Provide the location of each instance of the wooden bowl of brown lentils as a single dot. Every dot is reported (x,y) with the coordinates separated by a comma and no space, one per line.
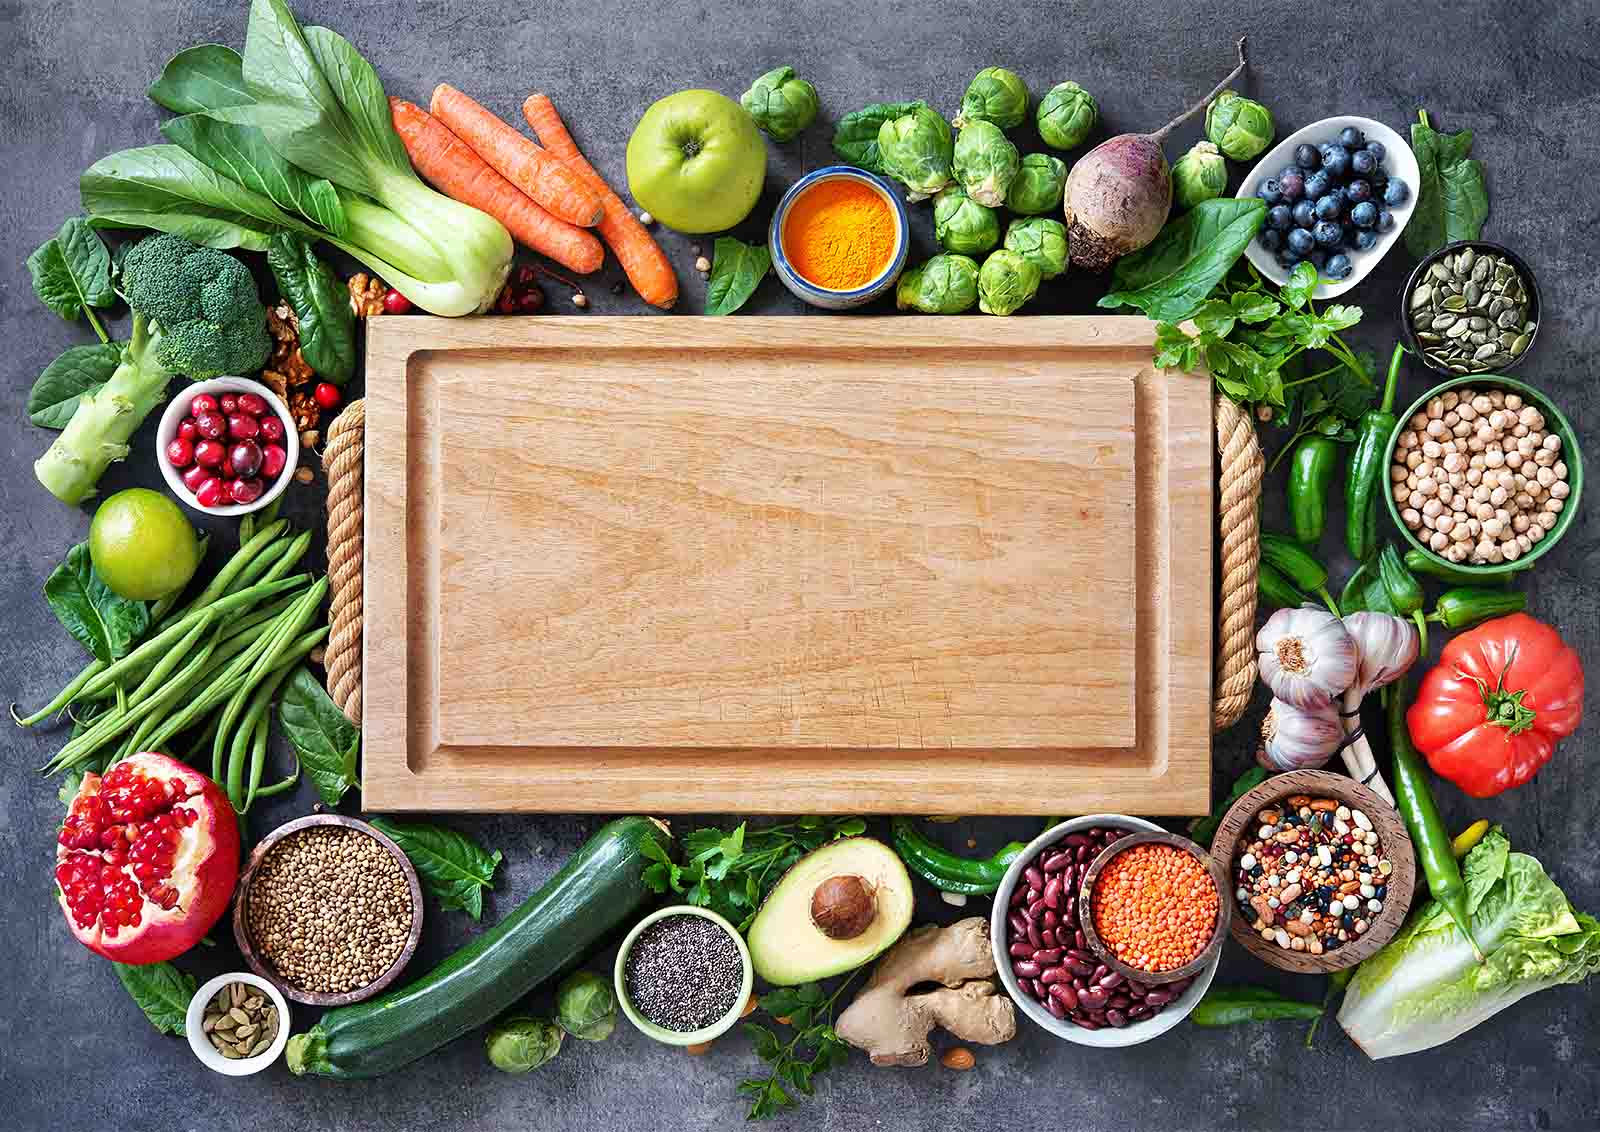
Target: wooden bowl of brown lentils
(328,909)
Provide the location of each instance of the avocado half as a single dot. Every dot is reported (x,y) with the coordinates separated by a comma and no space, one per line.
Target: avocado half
(836,908)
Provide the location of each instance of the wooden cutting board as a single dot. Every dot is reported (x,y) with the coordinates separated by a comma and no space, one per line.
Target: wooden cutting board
(785,564)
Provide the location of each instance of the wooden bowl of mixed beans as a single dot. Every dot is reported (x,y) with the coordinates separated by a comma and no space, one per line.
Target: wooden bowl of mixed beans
(1320,871)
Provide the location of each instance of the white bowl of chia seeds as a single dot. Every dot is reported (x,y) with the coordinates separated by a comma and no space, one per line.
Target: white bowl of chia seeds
(683,975)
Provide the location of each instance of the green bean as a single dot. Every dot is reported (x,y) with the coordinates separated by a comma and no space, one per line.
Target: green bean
(218,687)
(281,785)
(220,585)
(175,655)
(255,717)
(291,556)
(63,698)
(283,631)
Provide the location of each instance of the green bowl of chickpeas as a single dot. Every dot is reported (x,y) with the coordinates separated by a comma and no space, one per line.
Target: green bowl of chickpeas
(1484,474)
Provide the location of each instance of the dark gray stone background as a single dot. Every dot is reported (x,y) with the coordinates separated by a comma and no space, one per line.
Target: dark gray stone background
(76,1051)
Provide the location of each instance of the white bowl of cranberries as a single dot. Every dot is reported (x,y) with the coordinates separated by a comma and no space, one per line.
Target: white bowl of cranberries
(227,446)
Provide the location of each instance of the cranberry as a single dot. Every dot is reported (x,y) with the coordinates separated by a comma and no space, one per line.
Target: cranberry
(326,395)
(212,493)
(202,403)
(244,458)
(272,428)
(252,403)
(210,453)
(273,458)
(194,476)
(242,426)
(187,431)
(180,453)
(211,424)
(229,403)
(394,303)
(246,490)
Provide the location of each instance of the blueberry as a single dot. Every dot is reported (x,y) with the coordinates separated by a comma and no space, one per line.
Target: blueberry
(1293,187)
(1305,213)
(1307,156)
(1270,191)
(1318,257)
(1327,234)
(1336,160)
(1329,207)
(1288,259)
(1348,239)
(1378,180)
(1280,217)
(1396,193)
(1338,267)
(1271,239)
(1385,220)
(1362,162)
(1352,138)
(1300,241)
(1318,184)
(1377,150)
(1290,171)
(1366,240)
(1357,191)
(1364,215)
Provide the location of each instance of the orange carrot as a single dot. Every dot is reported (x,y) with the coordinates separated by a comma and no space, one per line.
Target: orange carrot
(641,257)
(452,167)
(550,182)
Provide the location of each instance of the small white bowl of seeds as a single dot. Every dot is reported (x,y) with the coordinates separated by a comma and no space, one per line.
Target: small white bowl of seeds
(237,1024)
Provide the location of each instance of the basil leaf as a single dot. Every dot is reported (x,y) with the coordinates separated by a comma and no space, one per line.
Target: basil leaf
(327,324)
(1452,201)
(452,866)
(75,372)
(242,154)
(165,188)
(72,270)
(324,741)
(1171,278)
(201,79)
(161,991)
(856,138)
(105,624)
(737,271)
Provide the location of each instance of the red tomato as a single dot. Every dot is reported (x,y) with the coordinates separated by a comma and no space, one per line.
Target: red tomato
(1491,712)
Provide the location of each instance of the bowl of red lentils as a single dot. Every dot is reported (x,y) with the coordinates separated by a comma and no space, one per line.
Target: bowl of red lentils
(1041,928)
(1157,912)
(1320,871)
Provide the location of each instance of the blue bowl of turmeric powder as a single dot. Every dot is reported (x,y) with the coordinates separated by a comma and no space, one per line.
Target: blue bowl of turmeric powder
(840,237)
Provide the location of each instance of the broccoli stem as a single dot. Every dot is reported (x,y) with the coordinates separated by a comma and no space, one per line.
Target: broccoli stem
(104,421)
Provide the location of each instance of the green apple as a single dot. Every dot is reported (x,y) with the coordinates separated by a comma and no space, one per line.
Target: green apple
(696,161)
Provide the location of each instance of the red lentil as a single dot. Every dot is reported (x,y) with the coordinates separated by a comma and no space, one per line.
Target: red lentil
(1155,907)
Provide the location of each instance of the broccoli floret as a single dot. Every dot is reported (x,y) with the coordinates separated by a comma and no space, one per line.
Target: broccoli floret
(204,302)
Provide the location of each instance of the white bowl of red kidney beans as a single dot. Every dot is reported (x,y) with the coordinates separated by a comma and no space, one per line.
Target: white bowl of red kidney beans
(227,446)
(1044,959)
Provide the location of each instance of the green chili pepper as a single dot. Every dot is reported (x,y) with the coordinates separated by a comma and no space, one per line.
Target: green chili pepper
(1311,468)
(1419,563)
(1298,565)
(1366,468)
(1230,1006)
(945,870)
(1405,592)
(1465,607)
(1415,804)
(1277,590)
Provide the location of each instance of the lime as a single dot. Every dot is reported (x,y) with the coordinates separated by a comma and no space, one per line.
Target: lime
(142,546)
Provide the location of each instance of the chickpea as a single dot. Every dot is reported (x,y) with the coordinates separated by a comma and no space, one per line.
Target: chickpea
(1544,457)
(1432,508)
(1555,505)
(1434,409)
(1535,532)
(1414,458)
(1419,420)
(1466,411)
(1494,458)
(1475,525)
(1513,401)
(1559,491)
(1498,496)
(1560,469)
(1545,519)
(1552,442)
(1436,429)
(1397,473)
(1438,541)
(1444,524)
(1511,550)
(1483,548)
(1546,476)
(1492,528)
(1520,431)
(1457,552)
(1497,398)
(1525,543)
(1402,494)
(1514,459)
(1520,523)
(1451,399)
(1530,418)
(1481,493)
(1526,445)
(1483,510)
(1447,491)
(1432,449)
(1481,404)
(1410,518)
(1461,533)
(1416,499)
(1460,429)
(1408,439)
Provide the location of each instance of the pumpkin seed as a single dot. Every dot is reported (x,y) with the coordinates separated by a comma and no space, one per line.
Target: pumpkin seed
(1484,351)
(1472,293)
(1459,369)
(1443,321)
(1440,272)
(1421,296)
(1458,329)
(1520,344)
(1480,271)
(1428,338)
(1464,262)
(1455,303)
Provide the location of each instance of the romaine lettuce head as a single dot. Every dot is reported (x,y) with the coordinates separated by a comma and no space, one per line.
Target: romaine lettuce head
(1425,987)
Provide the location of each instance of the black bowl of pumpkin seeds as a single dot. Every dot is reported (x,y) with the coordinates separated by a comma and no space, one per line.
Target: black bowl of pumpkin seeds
(1471,308)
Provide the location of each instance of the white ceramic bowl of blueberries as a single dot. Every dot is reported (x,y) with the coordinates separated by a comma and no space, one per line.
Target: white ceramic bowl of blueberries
(1339,192)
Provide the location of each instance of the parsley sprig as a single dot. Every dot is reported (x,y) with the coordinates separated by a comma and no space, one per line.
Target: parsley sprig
(813,1049)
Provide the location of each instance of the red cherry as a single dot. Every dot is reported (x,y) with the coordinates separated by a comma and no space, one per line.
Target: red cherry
(187,431)
(212,493)
(180,453)
(272,428)
(212,425)
(246,490)
(194,476)
(252,403)
(242,426)
(273,458)
(229,403)
(210,453)
(202,403)
(327,395)
(395,303)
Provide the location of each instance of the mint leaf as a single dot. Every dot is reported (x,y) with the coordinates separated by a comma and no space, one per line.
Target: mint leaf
(452,867)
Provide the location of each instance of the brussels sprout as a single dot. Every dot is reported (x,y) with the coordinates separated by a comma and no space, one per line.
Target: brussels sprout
(985,163)
(1006,281)
(945,284)
(1040,241)
(520,1044)
(916,149)
(1199,175)
(1038,186)
(1066,115)
(994,95)
(586,1008)
(1240,127)
(781,104)
(961,224)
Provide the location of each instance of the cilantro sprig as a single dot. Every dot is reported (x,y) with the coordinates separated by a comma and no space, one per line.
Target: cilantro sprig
(814,1047)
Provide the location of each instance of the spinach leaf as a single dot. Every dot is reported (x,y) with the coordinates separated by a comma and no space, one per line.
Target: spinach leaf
(105,624)
(327,324)
(325,742)
(75,372)
(1452,202)
(1171,278)
(242,153)
(856,138)
(162,992)
(452,866)
(165,188)
(737,271)
(72,272)
(201,79)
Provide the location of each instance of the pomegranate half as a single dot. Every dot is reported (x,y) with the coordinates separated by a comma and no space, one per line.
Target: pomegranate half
(147,859)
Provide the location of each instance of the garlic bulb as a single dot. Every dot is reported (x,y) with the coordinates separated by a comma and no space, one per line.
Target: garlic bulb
(1295,738)
(1386,648)
(1306,656)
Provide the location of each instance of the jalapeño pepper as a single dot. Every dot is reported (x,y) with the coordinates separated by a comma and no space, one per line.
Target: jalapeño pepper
(1366,469)
(946,871)
(1229,1006)
(1297,564)
(1465,607)
(1419,563)
(1405,592)
(1311,468)
(1276,590)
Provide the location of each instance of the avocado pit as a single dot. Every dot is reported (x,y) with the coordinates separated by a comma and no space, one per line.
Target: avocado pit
(843,907)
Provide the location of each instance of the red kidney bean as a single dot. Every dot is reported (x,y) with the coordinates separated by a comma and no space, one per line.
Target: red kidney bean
(1055,1008)
(1098,1016)
(1065,995)
(1119,1002)
(1100,972)
(1178,986)
(1026,969)
(1083,853)
(1137,989)
(1047,956)
(1078,966)
(1034,877)
(1139,1011)
(1050,919)
(1082,940)
(1080,983)
(1054,975)
(1048,935)
(1073,840)
(1020,950)
(1158,998)
(1018,922)
(1093,999)
(1109,980)
(1036,909)
(1019,896)
(1086,1023)
(1052,894)
(1035,936)
(1069,908)
(1116,1018)
(1055,862)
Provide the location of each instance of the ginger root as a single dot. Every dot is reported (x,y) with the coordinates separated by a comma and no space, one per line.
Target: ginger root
(892,1024)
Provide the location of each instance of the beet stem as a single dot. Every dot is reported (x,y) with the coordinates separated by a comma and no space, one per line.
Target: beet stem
(1160,135)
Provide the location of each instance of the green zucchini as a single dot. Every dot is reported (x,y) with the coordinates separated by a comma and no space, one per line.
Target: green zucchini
(598,890)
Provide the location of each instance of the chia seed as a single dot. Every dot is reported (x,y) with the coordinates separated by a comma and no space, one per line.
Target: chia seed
(683,973)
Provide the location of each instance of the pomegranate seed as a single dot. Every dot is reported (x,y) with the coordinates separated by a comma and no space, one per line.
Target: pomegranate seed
(180,453)
(210,453)
(327,395)
(228,403)
(211,424)
(273,458)
(187,431)
(242,426)
(247,490)
(395,303)
(272,428)
(252,403)
(211,493)
(202,403)
(244,458)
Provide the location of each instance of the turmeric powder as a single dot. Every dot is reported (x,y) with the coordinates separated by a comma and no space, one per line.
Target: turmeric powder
(839,235)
